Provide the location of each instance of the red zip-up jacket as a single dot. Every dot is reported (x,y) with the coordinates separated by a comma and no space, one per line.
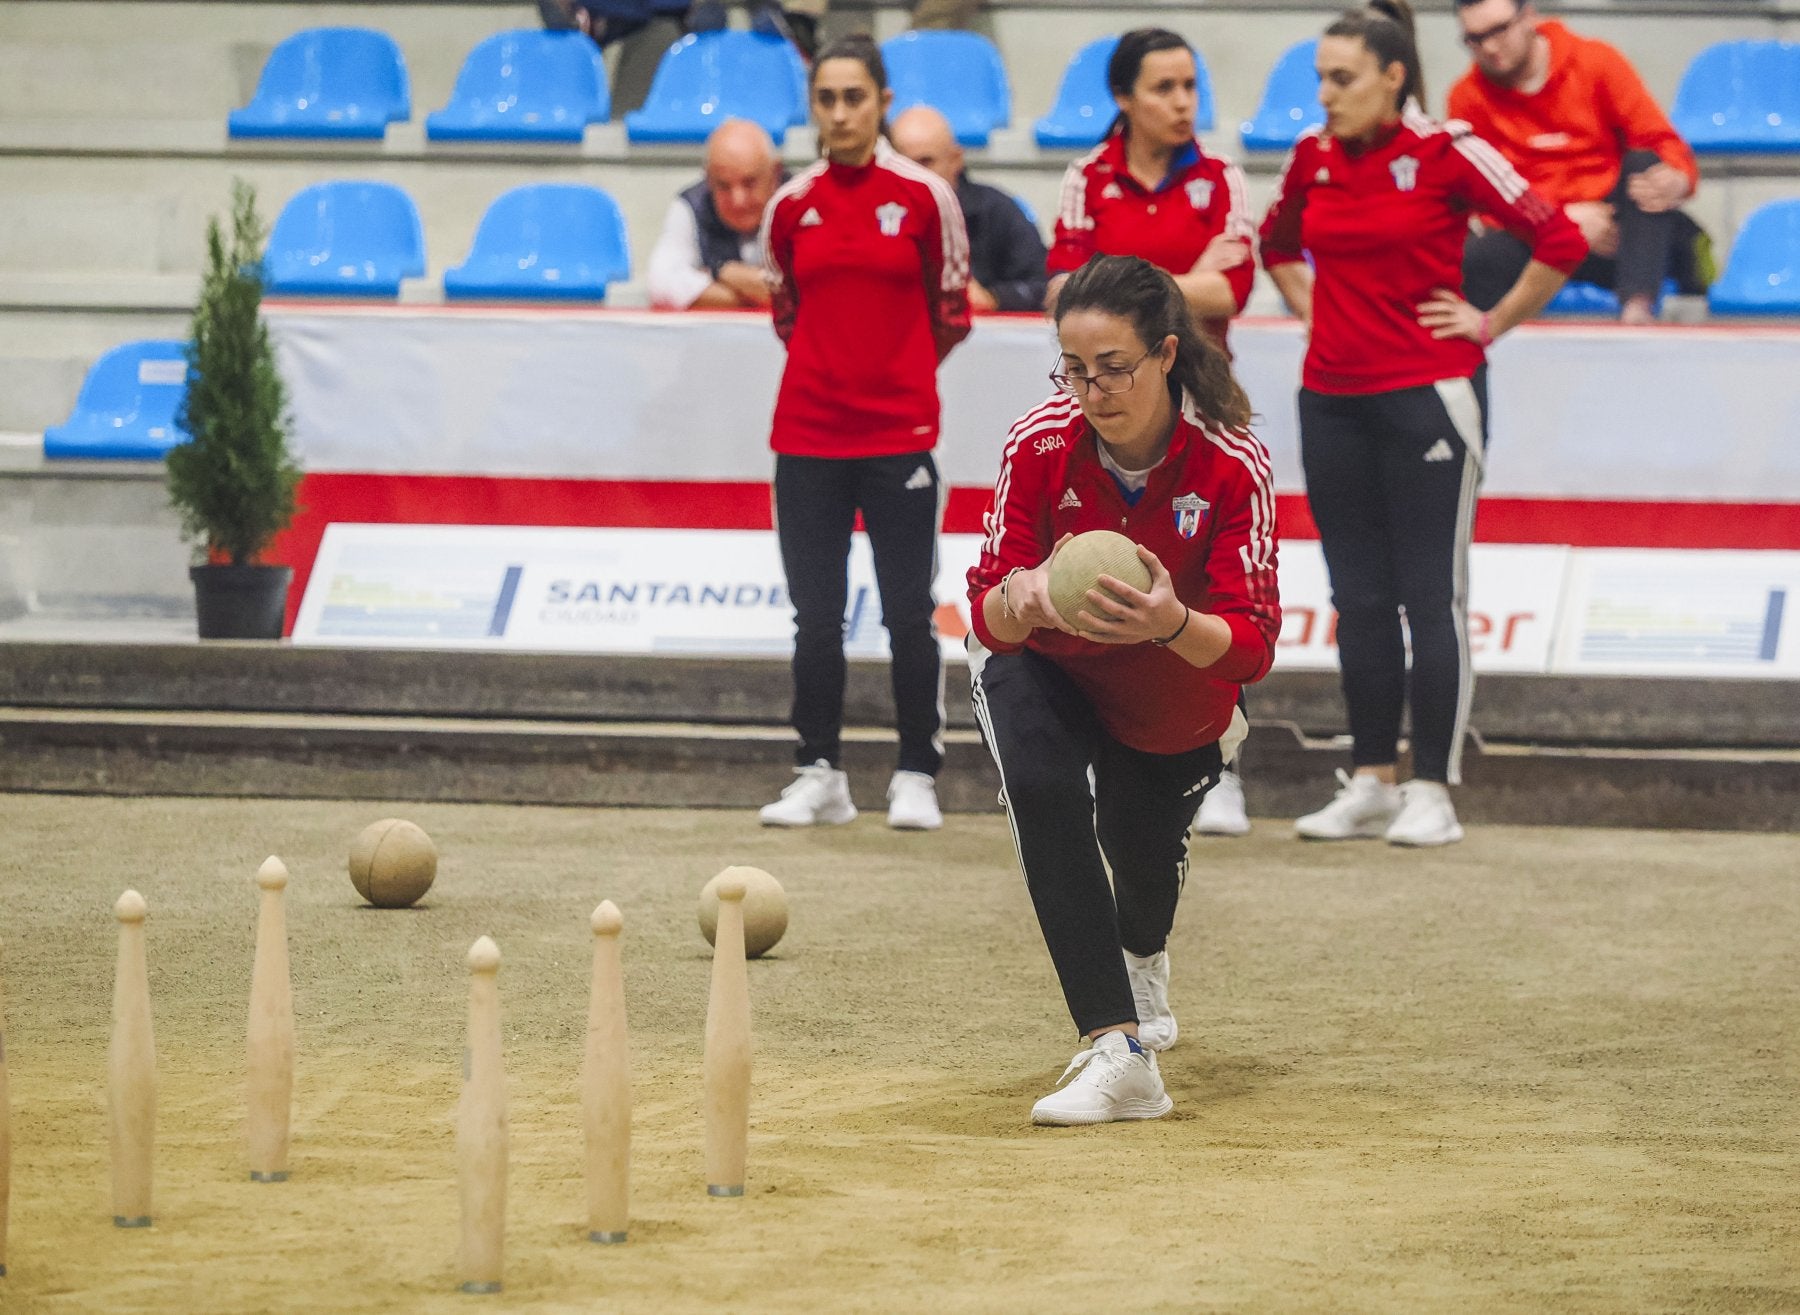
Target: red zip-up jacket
(1105,211)
(1385,226)
(1208,513)
(868,268)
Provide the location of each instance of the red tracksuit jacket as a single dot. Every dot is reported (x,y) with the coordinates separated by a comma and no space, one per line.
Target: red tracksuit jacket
(869,271)
(1105,211)
(1385,227)
(1208,513)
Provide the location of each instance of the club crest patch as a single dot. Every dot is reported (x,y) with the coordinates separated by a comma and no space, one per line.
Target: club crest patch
(1199,193)
(1406,173)
(890,217)
(1191,511)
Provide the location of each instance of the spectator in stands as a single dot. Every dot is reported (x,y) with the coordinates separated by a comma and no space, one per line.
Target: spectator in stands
(1365,241)
(945,13)
(868,266)
(709,255)
(1006,255)
(1150,190)
(796,21)
(607,21)
(1575,120)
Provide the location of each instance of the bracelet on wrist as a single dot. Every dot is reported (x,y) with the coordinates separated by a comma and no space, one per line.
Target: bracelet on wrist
(1006,603)
(1487,334)
(1187,614)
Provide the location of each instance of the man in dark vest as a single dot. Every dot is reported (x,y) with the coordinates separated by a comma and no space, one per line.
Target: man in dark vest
(709,255)
(1006,252)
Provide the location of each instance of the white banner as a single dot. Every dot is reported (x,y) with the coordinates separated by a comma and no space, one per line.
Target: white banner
(722,592)
(1577,412)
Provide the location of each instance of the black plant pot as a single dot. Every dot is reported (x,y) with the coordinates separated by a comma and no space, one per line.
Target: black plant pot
(240,602)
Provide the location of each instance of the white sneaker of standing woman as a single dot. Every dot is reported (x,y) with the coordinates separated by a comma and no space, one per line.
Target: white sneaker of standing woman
(1222,812)
(912,803)
(1364,807)
(1115,1079)
(819,795)
(1427,817)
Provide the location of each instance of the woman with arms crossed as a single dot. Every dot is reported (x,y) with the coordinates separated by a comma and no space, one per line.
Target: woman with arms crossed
(1150,190)
(868,267)
(1146,437)
(1393,402)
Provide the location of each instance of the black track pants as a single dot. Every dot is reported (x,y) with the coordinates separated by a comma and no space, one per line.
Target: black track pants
(901,500)
(1392,480)
(1045,737)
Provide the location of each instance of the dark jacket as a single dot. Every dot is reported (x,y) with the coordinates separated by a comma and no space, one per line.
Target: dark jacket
(1006,253)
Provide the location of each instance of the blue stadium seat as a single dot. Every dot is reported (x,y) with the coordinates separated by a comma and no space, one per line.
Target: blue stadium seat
(1741,96)
(346,239)
(708,77)
(559,241)
(1084,107)
(1290,101)
(526,86)
(958,74)
(328,82)
(1578,298)
(127,407)
(1762,277)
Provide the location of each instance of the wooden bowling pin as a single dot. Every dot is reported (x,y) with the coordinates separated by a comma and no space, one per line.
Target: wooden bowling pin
(271,1033)
(606,1086)
(481,1127)
(727,1062)
(5,1133)
(131,1070)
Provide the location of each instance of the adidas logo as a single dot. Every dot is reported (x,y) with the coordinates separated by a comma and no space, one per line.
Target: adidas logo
(1440,451)
(811,218)
(919,479)
(1068,500)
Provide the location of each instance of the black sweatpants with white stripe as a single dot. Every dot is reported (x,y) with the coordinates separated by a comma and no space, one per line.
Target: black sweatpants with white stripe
(1045,737)
(1392,480)
(901,499)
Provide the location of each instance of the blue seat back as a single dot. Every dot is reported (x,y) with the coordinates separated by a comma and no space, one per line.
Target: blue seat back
(526,85)
(127,407)
(1290,101)
(1762,277)
(708,77)
(346,239)
(328,82)
(1084,107)
(958,74)
(1741,96)
(564,241)
(1579,298)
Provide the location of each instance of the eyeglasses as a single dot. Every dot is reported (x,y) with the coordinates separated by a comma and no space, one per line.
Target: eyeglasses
(1107,381)
(1476,40)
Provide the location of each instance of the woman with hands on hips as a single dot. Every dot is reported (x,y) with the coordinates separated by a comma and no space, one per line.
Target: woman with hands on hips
(1145,437)
(1393,400)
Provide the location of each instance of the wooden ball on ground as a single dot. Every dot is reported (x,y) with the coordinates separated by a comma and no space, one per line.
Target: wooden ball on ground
(392,863)
(1083,560)
(765,909)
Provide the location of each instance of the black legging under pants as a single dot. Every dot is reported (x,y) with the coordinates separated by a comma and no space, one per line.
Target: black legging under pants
(1045,737)
(1391,479)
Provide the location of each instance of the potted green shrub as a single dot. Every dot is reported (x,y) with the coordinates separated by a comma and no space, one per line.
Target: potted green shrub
(233,484)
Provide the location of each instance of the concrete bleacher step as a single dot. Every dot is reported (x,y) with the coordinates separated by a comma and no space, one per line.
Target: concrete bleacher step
(259,719)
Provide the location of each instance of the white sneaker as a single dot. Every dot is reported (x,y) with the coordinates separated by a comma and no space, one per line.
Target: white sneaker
(1150,991)
(1222,811)
(1365,806)
(1427,817)
(820,794)
(1113,1082)
(912,803)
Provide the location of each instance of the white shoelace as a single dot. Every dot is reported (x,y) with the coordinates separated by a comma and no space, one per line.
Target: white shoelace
(1115,1060)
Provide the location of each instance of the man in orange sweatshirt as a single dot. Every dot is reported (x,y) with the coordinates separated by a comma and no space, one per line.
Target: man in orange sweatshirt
(1574,118)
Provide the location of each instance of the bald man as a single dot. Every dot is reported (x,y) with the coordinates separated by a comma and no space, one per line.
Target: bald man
(1006,252)
(709,255)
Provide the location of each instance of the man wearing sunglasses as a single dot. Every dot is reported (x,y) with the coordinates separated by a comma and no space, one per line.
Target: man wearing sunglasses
(1574,118)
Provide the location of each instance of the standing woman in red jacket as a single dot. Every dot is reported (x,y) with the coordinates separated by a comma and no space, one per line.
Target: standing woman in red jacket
(1150,190)
(1393,402)
(868,267)
(1146,437)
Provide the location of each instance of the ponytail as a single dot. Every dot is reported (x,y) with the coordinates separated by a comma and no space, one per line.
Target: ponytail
(1386,27)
